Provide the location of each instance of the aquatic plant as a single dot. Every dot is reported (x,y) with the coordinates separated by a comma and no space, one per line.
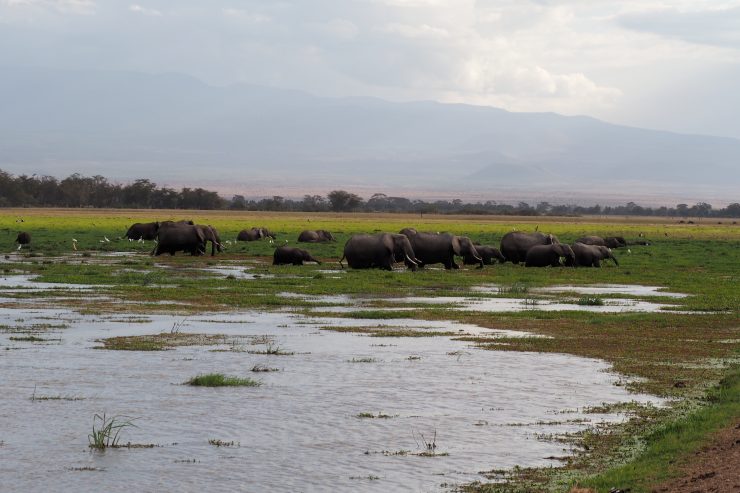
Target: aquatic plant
(221,380)
(590,301)
(106,431)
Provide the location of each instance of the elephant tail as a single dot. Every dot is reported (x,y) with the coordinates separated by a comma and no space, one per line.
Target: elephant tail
(340,261)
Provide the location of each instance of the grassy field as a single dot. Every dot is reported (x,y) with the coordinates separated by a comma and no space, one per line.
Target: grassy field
(671,353)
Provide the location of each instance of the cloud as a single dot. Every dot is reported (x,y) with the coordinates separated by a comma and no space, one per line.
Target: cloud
(720,26)
(144,11)
(79,7)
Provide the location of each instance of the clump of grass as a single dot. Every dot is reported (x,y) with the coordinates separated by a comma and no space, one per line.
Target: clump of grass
(590,301)
(413,358)
(262,368)
(221,443)
(516,288)
(272,350)
(362,360)
(221,380)
(380,415)
(106,431)
(28,339)
(161,342)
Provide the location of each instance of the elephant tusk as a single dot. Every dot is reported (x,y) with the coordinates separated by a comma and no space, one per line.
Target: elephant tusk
(411,260)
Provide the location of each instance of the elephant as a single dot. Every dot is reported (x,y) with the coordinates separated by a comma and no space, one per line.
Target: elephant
(433,248)
(180,237)
(380,250)
(609,241)
(23,238)
(254,234)
(544,255)
(250,235)
(289,255)
(514,245)
(487,253)
(143,231)
(592,255)
(317,236)
(210,234)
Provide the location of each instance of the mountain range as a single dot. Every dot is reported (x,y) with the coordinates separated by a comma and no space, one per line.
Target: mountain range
(174,129)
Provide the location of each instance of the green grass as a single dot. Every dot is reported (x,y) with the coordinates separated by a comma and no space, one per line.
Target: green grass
(677,438)
(106,431)
(221,380)
(590,301)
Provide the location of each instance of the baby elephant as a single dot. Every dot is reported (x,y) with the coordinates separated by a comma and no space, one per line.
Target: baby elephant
(489,255)
(592,255)
(289,255)
(23,238)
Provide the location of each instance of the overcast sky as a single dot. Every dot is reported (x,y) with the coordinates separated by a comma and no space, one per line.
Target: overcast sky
(655,64)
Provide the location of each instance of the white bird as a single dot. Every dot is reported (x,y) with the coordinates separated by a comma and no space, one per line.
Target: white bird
(106,239)
(141,240)
(74,244)
(629,251)
(130,240)
(19,247)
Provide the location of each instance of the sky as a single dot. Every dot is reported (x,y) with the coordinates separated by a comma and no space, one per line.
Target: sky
(651,64)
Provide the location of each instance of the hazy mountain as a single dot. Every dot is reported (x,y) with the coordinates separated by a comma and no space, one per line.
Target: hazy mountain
(176,129)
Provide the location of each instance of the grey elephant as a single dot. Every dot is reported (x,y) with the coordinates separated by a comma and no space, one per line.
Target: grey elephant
(549,255)
(143,231)
(433,248)
(289,255)
(254,234)
(489,255)
(609,241)
(211,234)
(315,236)
(380,250)
(514,245)
(180,238)
(250,235)
(592,255)
(23,238)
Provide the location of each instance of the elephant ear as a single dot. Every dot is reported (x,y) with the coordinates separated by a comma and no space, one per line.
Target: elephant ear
(456,245)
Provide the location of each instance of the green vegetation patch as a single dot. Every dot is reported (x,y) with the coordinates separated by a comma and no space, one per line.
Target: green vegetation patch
(221,380)
(162,342)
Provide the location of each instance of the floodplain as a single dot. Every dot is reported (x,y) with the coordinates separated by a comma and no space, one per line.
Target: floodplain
(500,379)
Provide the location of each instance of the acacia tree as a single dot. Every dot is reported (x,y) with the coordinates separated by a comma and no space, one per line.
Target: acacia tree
(343,201)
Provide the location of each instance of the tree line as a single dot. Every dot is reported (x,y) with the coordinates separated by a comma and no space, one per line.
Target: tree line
(96,191)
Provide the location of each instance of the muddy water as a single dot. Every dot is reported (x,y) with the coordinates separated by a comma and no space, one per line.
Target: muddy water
(299,431)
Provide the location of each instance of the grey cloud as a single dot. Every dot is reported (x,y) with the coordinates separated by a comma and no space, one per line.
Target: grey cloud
(718,27)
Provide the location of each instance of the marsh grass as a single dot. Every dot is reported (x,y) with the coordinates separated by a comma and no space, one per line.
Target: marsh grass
(263,369)
(106,431)
(272,351)
(222,443)
(380,415)
(590,301)
(387,331)
(362,360)
(163,341)
(221,380)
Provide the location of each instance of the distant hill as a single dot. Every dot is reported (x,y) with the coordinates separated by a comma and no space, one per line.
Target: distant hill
(173,128)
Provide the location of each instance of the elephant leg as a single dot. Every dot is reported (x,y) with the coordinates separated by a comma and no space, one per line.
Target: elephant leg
(298,262)
(597,263)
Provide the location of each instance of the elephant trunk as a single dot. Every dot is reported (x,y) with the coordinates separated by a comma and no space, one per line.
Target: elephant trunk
(340,261)
(615,260)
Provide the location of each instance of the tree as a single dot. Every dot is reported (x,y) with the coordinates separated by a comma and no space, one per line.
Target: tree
(343,201)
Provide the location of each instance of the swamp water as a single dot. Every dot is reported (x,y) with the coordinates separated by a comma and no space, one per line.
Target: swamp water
(299,430)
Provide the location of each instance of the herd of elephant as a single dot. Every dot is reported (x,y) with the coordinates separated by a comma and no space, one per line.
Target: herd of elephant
(382,250)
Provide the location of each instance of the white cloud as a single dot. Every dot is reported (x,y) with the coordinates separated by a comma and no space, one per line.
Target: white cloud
(144,11)
(246,16)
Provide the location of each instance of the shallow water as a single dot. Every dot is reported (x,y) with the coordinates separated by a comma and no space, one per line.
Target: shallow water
(299,430)
(626,289)
(611,305)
